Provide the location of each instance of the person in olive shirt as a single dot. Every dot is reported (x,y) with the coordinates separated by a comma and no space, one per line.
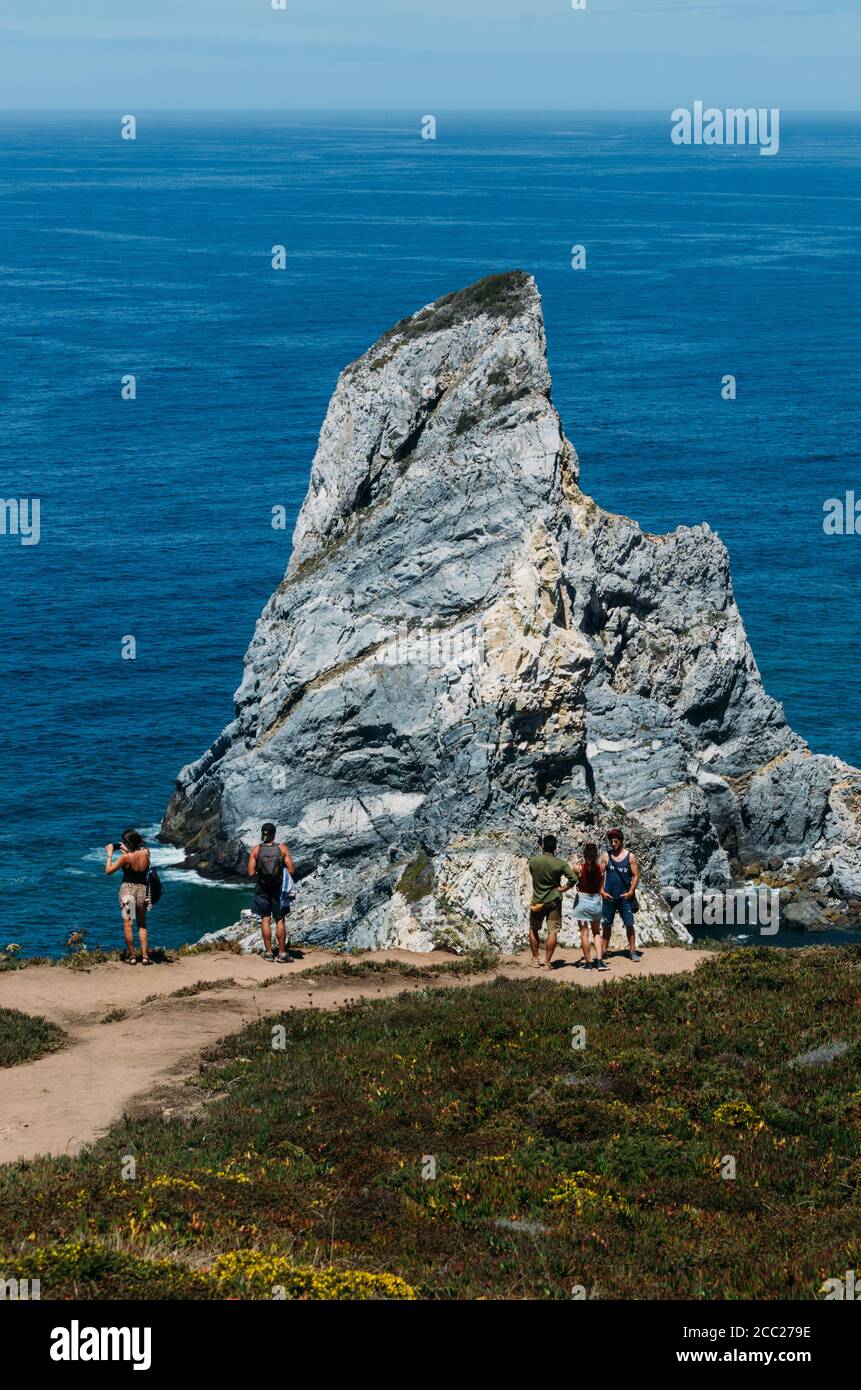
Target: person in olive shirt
(547,873)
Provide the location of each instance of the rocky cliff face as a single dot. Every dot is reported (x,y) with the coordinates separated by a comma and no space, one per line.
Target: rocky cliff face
(466,650)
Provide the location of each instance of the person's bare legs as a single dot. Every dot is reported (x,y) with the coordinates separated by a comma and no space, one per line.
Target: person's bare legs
(585,943)
(266,934)
(599,940)
(552,935)
(281,936)
(534,942)
(128,934)
(143,934)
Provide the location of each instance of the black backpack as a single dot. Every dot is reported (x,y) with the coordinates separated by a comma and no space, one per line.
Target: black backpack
(270,869)
(154,888)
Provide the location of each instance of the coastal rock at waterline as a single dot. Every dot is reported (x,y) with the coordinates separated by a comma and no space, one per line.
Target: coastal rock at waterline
(803,914)
(466,650)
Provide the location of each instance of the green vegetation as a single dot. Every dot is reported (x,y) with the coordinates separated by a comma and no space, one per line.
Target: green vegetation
(473,964)
(188,991)
(555,1166)
(94,1271)
(507,394)
(205,948)
(24,1037)
(498,295)
(83,959)
(308,567)
(417,879)
(9,956)
(466,421)
(199,987)
(470,963)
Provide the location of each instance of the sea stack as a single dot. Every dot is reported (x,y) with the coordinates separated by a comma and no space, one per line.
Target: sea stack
(466,650)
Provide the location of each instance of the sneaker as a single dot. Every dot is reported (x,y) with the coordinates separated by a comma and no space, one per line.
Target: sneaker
(601,965)
(268,955)
(636,955)
(283,959)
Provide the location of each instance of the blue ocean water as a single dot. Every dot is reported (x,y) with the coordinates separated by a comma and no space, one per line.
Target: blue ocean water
(152,257)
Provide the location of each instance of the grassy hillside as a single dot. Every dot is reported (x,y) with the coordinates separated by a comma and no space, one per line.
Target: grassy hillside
(24,1037)
(556,1165)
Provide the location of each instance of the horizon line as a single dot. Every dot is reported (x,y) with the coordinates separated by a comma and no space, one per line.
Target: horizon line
(409,110)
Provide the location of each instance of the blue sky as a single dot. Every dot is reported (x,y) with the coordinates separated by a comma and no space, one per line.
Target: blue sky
(436,54)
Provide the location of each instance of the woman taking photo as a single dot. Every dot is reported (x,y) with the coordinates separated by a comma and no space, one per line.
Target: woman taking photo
(588,907)
(134,894)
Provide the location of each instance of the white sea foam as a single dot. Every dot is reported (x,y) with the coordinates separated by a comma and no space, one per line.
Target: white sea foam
(168,860)
(189,876)
(161,855)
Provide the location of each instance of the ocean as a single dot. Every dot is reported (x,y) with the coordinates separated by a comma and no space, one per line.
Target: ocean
(152,257)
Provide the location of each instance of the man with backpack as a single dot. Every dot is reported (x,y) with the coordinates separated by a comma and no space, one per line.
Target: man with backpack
(267,861)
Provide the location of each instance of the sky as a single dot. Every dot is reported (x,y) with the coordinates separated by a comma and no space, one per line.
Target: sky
(437,54)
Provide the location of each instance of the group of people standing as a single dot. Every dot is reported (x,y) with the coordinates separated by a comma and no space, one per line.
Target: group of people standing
(604,883)
(269,863)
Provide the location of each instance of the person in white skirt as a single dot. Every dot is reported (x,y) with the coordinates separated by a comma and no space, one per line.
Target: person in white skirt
(588,908)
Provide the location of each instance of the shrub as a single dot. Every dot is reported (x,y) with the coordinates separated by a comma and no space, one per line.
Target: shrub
(258,1274)
(82,1269)
(583,1194)
(417,880)
(24,1037)
(501,296)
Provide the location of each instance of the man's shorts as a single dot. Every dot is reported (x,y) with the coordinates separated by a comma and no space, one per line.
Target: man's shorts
(551,913)
(266,905)
(620,905)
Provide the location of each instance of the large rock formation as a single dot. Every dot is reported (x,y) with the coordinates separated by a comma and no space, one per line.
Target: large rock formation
(466,650)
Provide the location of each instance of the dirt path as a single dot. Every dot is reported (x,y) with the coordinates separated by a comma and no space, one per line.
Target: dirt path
(67,1099)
